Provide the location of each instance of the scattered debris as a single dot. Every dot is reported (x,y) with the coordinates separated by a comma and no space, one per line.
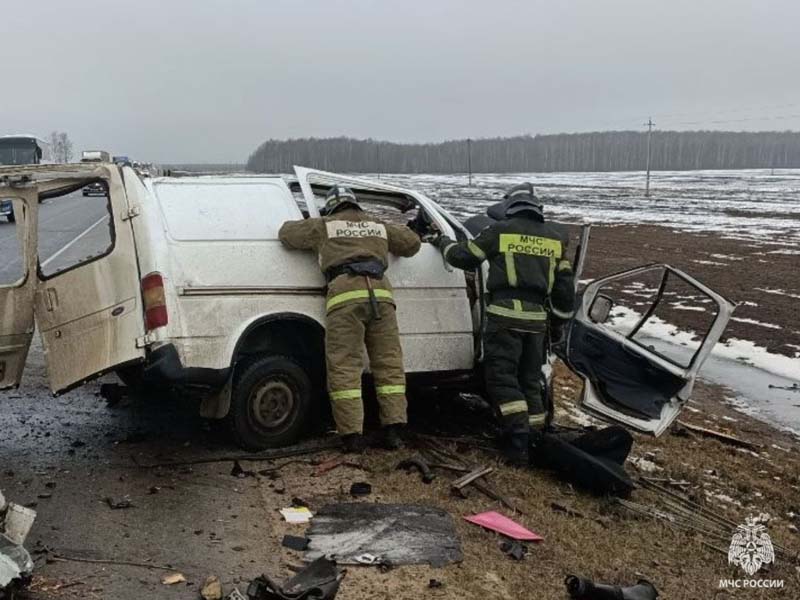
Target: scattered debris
(360,488)
(212,589)
(514,549)
(502,524)
(119,503)
(459,484)
(294,514)
(287,452)
(435,584)
(16,564)
(239,472)
(57,556)
(320,580)
(235,595)
(795,387)
(400,534)
(718,435)
(173,578)
(294,542)
(417,462)
(580,588)
(566,510)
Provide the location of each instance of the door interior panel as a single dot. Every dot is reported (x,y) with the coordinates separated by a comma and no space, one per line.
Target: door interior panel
(626,380)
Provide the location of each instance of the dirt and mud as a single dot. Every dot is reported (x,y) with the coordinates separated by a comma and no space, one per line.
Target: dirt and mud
(68,456)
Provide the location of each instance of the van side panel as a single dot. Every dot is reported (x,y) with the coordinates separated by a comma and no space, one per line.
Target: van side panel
(227,269)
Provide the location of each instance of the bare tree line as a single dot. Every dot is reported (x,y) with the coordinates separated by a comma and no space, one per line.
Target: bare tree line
(61,146)
(597,151)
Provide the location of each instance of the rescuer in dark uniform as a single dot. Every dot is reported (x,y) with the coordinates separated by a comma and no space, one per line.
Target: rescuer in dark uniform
(530,281)
(353,249)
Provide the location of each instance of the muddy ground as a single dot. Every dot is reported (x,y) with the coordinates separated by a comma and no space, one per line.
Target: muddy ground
(66,456)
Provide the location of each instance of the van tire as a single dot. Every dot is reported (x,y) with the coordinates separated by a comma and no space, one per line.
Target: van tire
(11,218)
(257,422)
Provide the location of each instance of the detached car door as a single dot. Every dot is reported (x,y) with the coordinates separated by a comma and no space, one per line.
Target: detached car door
(639,339)
(88,301)
(17,282)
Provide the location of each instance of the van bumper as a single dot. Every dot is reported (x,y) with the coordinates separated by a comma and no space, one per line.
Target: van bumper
(164,366)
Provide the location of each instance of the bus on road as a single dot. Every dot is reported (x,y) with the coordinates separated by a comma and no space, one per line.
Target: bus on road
(24,150)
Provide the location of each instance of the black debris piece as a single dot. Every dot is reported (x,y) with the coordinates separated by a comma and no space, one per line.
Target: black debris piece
(400,534)
(298,502)
(435,584)
(580,588)
(360,488)
(514,549)
(591,460)
(119,503)
(294,542)
(417,462)
(238,471)
(320,580)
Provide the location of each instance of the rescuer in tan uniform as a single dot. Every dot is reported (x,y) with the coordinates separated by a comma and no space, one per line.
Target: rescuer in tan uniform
(353,250)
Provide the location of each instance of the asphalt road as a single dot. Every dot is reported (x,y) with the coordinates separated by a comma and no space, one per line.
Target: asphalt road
(70,228)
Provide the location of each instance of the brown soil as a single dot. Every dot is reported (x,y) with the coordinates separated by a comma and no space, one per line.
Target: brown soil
(613,249)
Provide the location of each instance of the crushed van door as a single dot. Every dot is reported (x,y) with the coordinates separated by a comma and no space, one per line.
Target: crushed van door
(16,294)
(89,312)
(637,371)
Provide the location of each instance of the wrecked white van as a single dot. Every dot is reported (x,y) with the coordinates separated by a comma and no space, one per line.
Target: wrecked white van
(193,289)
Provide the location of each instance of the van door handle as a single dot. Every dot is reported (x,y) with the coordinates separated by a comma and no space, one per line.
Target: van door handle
(51,299)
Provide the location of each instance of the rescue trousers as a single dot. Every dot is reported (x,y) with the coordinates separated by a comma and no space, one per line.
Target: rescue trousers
(349,329)
(513,371)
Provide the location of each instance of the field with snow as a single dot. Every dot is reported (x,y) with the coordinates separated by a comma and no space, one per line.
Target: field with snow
(737,231)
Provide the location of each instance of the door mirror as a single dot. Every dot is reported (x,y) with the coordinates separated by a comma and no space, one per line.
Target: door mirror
(601,308)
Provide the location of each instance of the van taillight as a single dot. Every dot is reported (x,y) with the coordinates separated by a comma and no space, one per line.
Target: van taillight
(155,302)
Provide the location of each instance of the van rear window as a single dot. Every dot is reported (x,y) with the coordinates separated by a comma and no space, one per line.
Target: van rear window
(232,209)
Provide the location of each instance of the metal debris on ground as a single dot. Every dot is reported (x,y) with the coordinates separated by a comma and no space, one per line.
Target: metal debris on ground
(719,435)
(16,564)
(360,488)
(435,584)
(580,588)
(400,534)
(457,486)
(320,580)
(212,589)
(501,524)
(240,473)
(235,595)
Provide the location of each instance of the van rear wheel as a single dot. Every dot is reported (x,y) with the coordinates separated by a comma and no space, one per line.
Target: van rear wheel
(270,402)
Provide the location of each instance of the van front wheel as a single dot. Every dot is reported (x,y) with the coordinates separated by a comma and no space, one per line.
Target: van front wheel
(270,402)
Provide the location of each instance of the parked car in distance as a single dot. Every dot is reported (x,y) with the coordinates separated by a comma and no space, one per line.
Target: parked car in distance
(7,210)
(95,189)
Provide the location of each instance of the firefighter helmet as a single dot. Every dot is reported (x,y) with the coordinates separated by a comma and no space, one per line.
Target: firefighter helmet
(337,198)
(522,198)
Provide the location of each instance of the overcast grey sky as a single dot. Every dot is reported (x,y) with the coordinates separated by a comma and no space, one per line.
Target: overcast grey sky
(208,80)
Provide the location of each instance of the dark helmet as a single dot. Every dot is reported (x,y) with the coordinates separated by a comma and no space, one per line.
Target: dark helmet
(337,198)
(521,199)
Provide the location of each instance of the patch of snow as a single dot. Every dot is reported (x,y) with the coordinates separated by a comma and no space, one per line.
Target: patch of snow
(784,251)
(726,256)
(710,262)
(778,292)
(723,498)
(754,322)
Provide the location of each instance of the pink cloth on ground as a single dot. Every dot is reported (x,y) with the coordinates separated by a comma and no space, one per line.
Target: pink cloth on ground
(502,524)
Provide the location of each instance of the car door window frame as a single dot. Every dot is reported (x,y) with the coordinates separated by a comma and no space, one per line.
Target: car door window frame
(79,184)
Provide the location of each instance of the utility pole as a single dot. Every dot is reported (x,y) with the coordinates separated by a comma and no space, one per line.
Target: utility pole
(378,157)
(650,125)
(469,160)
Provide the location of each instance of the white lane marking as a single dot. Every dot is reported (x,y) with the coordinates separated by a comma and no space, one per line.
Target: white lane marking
(71,243)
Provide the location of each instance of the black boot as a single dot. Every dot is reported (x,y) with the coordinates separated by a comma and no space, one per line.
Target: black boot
(585,589)
(516,449)
(393,437)
(353,443)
